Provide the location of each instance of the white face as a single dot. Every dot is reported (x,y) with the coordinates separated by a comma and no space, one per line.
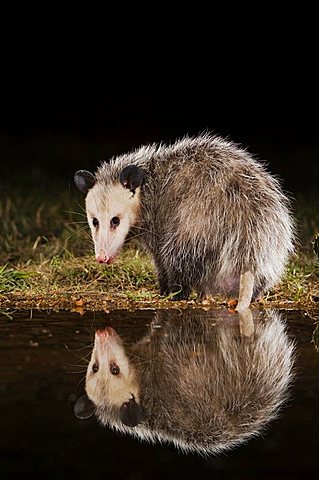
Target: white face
(110,377)
(111,212)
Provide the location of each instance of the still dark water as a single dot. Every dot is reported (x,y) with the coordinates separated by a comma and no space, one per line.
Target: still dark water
(42,374)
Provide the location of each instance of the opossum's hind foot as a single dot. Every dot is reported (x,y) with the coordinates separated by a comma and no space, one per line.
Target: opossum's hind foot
(246,289)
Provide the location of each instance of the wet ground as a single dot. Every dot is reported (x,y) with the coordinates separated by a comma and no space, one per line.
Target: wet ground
(42,370)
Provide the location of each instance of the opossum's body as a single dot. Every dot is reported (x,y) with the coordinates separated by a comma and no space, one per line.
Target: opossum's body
(196,382)
(205,210)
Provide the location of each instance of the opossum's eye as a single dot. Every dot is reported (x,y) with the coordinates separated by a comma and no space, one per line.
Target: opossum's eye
(95,367)
(95,222)
(114,369)
(115,221)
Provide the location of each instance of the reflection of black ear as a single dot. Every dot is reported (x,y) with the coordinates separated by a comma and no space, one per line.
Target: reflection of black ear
(131,413)
(84,180)
(84,407)
(131,177)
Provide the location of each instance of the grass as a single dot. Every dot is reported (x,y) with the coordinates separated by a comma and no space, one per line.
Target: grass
(11,279)
(46,258)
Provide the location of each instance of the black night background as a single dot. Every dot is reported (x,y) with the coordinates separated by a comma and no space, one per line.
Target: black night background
(53,124)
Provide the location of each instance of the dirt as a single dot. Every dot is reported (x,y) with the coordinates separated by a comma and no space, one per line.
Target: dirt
(97,301)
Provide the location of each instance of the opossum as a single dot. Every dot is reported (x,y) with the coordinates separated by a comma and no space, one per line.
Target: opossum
(194,381)
(209,214)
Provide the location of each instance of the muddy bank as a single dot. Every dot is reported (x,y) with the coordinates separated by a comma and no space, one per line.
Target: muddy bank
(97,301)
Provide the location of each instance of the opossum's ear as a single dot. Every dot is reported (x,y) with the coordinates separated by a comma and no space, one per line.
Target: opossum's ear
(84,407)
(131,177)
(131,413)
(84,180)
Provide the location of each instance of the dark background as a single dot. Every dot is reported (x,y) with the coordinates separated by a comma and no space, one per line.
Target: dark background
(54,121)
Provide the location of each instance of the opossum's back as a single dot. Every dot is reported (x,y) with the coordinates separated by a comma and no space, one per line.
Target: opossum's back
(206,174)
(214,189)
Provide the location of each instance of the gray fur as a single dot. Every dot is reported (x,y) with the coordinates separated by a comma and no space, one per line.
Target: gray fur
(203,387)
(209,212)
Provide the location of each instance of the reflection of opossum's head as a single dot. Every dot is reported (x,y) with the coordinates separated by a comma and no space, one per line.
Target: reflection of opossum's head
(112,209)
(111,381)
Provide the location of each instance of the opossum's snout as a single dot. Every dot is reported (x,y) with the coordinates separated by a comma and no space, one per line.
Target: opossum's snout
(105,259)
(102,259)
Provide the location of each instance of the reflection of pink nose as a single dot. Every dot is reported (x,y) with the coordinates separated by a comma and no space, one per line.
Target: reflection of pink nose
(103,334)
(102,258)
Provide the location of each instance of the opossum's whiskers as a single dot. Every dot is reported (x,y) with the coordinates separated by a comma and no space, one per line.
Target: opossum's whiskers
(138,363)
(78,364)
(77,223)
(82,379)
(137,235)
(128,240)
(82,348)
(80,367)
(84,229)
(137,357)
(91,331)
(82,208)
(82,358)
(146,230)
(133,237)
(77,371)
(76,213)
(76,337)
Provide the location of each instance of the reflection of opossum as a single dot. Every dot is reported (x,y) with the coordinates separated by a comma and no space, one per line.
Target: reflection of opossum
(194,382)
(205,210)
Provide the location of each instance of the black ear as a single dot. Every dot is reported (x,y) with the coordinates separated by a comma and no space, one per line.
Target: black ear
(131,413)
(84,407)
(84,180)
(131,177)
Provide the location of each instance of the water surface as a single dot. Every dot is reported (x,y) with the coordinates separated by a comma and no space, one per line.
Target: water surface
(41,353)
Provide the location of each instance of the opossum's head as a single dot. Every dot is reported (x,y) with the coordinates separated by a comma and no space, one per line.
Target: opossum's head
(112,209)
(111,381)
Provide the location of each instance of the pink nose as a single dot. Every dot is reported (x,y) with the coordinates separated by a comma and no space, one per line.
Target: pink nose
(102,258)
